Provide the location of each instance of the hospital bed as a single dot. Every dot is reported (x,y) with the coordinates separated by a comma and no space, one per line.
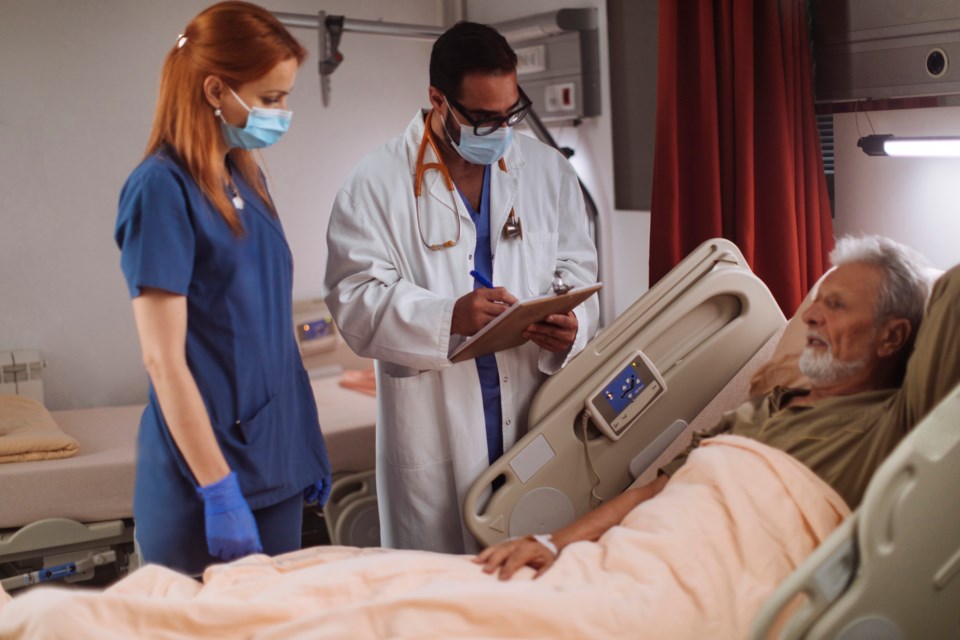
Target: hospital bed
(890,571)
(65,518)
(689,344)
(878,575)
(72,514)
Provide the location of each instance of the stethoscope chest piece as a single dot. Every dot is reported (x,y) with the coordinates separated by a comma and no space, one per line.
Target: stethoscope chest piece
(558,285)
(512,229)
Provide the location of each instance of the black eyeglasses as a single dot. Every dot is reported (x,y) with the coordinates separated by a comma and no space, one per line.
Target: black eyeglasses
(486,126)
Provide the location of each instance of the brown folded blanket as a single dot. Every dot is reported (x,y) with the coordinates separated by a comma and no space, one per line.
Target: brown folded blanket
(28,432)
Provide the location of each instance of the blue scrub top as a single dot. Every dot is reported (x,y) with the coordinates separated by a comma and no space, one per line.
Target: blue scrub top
(487,364)
(240,345)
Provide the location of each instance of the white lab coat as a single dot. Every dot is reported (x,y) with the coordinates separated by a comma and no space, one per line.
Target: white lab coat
(392,299)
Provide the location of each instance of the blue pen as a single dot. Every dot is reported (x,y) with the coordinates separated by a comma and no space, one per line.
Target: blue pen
(479,278)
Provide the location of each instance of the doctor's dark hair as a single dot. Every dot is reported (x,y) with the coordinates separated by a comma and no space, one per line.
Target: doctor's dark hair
(238,42)
(468,47)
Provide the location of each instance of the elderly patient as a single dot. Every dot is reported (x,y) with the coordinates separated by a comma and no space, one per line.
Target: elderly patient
(869,385)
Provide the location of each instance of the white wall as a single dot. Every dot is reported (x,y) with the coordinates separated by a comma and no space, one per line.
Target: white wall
(627,232)
(915,201)
(78,82)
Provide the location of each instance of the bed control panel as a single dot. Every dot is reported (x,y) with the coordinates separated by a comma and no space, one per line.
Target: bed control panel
(622,398)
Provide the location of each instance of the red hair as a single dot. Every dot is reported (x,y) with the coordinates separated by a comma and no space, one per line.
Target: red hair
(238,42)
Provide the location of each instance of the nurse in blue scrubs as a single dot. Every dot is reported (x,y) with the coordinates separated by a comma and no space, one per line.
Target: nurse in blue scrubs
(229,444)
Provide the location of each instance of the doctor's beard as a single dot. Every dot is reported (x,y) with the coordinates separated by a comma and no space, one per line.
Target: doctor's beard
(825,370)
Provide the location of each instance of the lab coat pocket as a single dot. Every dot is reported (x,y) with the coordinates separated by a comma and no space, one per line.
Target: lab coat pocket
(254,449)
(539,259)
(413,434)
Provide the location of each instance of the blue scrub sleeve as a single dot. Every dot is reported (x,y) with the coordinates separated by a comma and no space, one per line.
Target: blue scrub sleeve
(154,233)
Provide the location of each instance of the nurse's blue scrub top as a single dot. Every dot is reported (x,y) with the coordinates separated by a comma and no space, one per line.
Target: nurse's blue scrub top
(240,345)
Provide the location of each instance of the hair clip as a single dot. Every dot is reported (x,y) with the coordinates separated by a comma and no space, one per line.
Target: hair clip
(181,40)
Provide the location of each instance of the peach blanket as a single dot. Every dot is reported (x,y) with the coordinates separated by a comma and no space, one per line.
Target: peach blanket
(695,562)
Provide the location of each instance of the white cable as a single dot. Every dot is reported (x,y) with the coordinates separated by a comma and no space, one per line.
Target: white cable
(593,470)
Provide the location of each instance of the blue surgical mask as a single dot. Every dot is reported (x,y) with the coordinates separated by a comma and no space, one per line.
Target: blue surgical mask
(263,128)
(481,149)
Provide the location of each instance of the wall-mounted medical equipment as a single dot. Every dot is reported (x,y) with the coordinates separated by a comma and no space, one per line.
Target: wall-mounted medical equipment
(865,49)
(558,62)
(323,350)
(558,51)
(625,396)
(20,371)
(313,326)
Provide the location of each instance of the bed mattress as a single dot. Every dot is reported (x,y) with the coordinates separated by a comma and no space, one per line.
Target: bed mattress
(97,483)
(94,485)
(348,421)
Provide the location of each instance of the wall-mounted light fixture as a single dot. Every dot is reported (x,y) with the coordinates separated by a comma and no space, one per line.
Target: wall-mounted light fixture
(889,145)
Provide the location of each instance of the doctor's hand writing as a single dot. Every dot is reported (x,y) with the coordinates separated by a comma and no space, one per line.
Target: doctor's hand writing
(556,333)
(475,310)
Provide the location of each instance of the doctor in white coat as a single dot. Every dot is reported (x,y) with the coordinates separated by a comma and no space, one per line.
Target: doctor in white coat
(458,192)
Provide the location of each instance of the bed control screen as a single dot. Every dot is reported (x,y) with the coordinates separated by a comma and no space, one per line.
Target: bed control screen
(615,404)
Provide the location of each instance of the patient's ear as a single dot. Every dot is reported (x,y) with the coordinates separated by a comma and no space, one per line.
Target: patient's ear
(893,337)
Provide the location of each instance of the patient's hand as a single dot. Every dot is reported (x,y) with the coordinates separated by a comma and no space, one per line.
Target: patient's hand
(511,555)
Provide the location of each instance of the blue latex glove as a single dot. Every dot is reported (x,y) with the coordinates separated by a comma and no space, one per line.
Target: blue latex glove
(319,491)
(231,530)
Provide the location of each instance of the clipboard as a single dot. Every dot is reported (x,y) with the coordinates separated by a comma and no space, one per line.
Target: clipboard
(506,330)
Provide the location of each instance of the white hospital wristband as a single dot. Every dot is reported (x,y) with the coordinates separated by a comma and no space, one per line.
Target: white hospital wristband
(547,540)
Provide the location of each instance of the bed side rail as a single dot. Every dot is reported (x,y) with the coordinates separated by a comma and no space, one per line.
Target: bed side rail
(892,570)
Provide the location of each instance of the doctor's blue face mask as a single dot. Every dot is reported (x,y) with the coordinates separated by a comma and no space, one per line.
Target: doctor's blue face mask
(263,128)
(476,149)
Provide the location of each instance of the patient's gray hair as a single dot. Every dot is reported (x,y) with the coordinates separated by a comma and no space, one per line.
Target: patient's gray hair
(905,287)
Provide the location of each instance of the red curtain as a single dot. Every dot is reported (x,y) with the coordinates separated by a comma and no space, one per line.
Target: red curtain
(737,152)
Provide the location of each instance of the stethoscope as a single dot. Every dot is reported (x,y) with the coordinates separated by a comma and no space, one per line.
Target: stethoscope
(511,229)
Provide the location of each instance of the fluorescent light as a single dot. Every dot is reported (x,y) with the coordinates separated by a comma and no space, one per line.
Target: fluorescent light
(932,147)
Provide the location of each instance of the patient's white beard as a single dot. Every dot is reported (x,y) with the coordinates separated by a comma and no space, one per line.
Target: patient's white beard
(825,370)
